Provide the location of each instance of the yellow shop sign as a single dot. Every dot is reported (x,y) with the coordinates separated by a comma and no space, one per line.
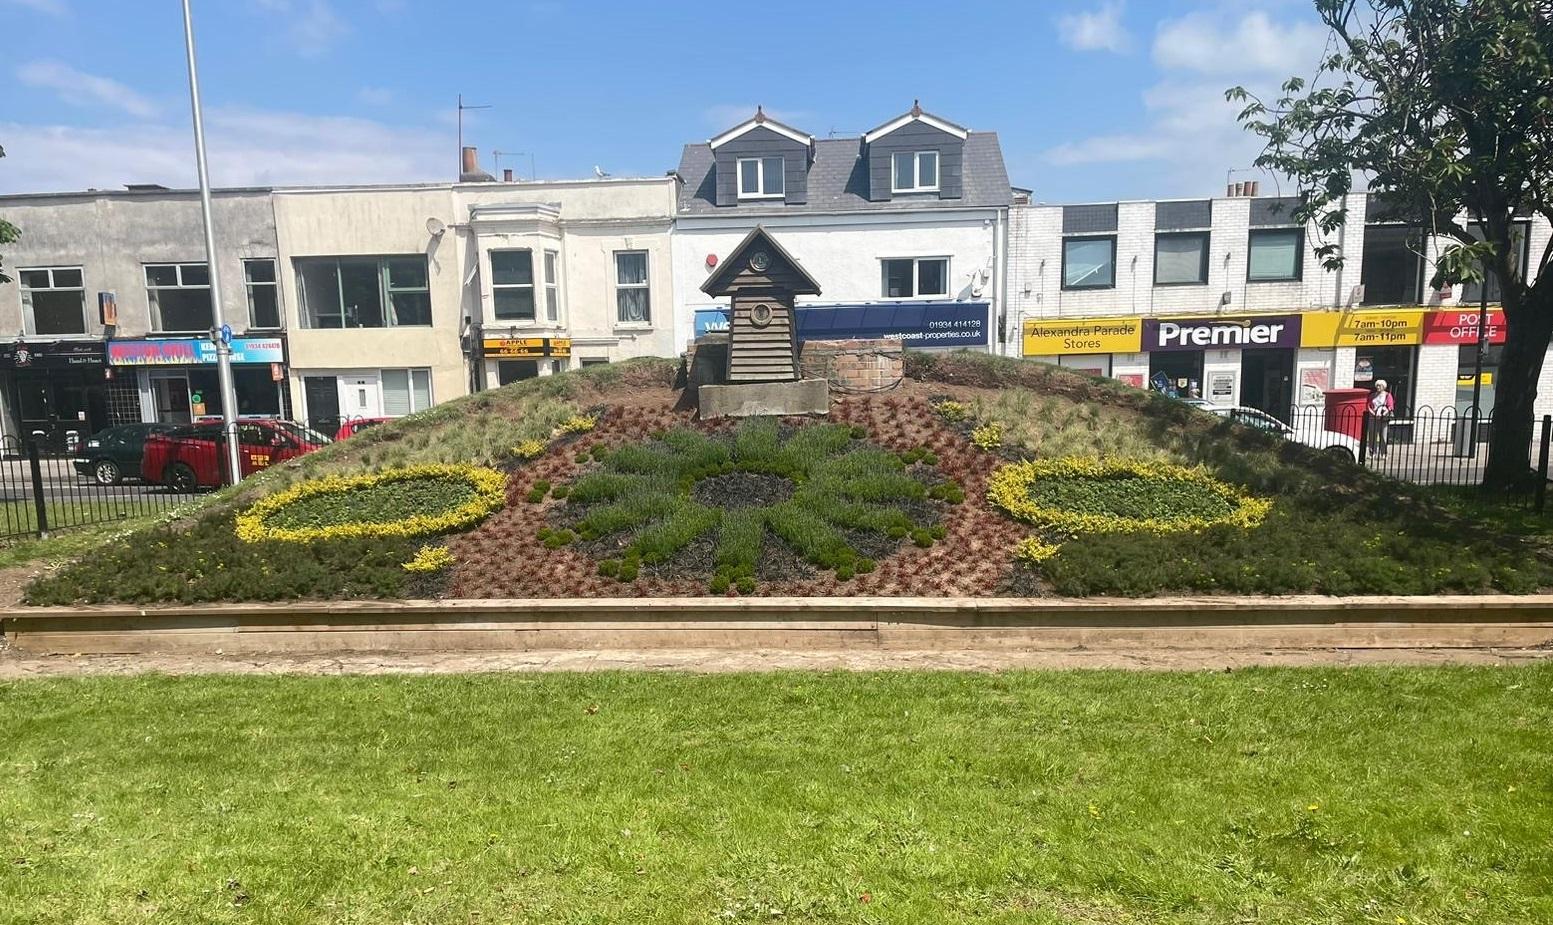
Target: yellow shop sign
(1393,328)
(1083,335)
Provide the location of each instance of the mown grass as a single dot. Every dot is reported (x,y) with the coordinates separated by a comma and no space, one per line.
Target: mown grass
(1289,796)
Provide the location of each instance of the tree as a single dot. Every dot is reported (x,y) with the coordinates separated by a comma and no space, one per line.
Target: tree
(8,233)
(1445,109)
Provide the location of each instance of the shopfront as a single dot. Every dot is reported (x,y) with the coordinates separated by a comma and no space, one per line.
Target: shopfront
(55,392)
(1273,362)
(178,381)
(504,360)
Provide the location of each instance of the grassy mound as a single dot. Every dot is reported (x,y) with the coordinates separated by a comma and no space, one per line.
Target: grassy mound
(577,499)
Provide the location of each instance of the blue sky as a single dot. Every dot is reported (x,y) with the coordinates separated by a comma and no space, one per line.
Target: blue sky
(1093,99)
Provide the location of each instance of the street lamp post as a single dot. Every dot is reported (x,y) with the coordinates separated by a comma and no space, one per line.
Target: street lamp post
(219,330)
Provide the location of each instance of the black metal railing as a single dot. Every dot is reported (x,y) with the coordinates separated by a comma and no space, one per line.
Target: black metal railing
(43,491)
(1427,446)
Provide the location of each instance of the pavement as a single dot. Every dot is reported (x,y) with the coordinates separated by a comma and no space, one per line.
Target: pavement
(17,666)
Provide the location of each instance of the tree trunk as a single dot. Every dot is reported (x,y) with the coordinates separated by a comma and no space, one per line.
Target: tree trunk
(1528,330)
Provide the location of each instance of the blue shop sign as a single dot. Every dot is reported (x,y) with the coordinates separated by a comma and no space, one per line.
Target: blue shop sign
(917,324)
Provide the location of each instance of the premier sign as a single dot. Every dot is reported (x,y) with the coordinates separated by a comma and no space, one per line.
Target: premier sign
(1255,332)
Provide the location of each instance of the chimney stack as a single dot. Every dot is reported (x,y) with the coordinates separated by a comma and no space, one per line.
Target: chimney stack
(1243,189)
(506,175)
(471,159)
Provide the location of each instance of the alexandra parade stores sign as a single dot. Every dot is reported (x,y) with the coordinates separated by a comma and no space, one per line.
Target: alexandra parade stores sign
(1252,332)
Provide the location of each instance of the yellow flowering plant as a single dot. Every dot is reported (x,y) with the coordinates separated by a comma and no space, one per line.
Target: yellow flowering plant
(577,424)
(421,500)
(988,436)
(429,558)
(1088,494)
(529,449)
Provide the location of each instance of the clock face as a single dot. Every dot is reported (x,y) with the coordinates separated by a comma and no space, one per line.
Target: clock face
(760,315)
(759,261)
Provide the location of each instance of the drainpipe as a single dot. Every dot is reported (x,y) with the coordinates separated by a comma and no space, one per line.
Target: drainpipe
(1000,267)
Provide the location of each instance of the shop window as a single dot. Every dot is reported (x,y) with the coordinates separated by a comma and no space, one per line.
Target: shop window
(914,172)
(1089,262)
(1181,258)
(406,391)
(509,371)
(263,293)
(179,294)
(1275,255)
(1392,271)
(1472,292)
(53,300)
(1466,366)
(910,277)
(594,361)
(632,299)
(364,292)
(552,286)
(762,177)
(512,285)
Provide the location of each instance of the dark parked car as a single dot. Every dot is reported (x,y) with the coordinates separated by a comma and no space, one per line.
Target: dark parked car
(111,455)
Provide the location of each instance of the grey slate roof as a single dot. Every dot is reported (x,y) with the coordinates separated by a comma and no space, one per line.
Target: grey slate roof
(838,181)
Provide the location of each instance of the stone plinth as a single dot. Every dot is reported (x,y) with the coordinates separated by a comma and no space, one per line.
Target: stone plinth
(760,399)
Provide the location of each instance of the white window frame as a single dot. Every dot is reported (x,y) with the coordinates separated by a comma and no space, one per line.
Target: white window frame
(25,292)
(155,304)
(409,372)
(916,172)
(645,286)
(273,284)
(916,277)
(760,176)
(532,286)
(552,268)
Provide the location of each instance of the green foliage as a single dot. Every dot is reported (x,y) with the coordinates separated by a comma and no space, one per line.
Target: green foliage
(384,502)
(1292,552)
(1127,495)
(646,490)
(9,233)
(207,562)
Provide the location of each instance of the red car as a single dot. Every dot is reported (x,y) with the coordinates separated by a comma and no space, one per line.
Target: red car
(192,457)
(354,426)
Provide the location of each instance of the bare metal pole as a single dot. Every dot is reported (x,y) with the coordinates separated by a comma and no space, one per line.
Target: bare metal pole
(223,349)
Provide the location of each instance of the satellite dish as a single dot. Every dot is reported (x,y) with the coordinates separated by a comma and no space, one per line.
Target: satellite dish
(435,227)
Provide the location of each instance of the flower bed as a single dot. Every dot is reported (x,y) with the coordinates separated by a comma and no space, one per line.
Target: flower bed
(411,501)
(819,489)
(1087,494)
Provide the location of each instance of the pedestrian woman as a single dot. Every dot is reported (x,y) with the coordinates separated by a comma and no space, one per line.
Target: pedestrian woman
(1382,404)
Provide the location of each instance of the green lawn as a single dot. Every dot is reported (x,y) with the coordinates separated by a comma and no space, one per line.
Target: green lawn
(1268,796)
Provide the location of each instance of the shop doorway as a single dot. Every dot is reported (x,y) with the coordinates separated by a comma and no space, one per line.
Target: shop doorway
(170,394)
(322,395)
(1393,364)
(60,408)
(1176,373)
(1267,381)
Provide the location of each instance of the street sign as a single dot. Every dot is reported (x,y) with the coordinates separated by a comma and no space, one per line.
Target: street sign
(226,334)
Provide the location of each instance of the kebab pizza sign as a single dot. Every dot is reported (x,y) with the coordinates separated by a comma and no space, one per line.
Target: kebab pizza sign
(1252,332)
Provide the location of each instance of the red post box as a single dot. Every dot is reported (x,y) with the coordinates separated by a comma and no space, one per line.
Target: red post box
(1345,411)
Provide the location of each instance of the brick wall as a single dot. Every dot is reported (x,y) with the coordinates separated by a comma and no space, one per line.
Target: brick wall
(854,365)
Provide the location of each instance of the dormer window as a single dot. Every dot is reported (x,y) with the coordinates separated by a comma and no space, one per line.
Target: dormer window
(761,177)
(915,172)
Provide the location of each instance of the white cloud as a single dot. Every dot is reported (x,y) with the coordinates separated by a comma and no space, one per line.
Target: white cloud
(312,26)
(51,7)
(1253,45)
(1189,135)
(82,89)
(247,147)
(1099,29)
